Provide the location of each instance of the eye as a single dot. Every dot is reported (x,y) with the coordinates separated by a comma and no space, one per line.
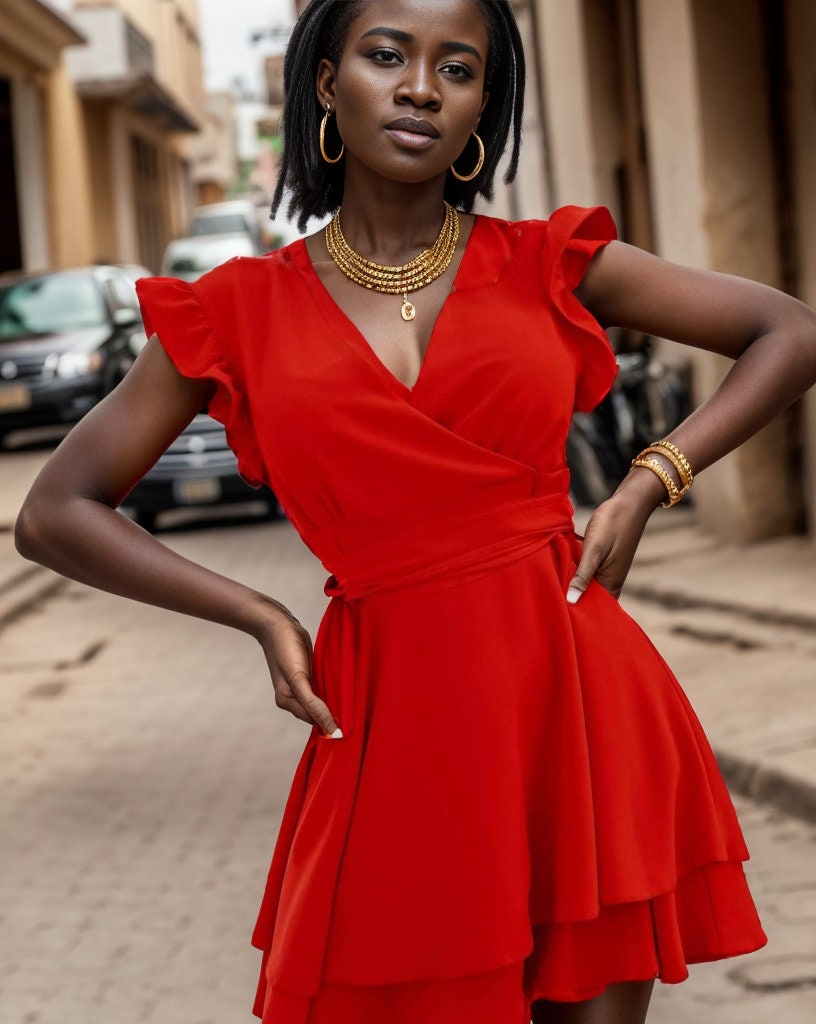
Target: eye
(457,70)
(383,56)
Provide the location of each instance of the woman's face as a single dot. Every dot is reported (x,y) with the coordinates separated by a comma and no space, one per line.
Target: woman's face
(409,87)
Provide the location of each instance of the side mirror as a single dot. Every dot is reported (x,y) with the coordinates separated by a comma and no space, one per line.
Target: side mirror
(126,317)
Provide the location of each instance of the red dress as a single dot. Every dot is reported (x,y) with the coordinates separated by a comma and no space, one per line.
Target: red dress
(524,805)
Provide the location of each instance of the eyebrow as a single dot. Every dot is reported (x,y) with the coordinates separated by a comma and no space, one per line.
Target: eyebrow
(406,37)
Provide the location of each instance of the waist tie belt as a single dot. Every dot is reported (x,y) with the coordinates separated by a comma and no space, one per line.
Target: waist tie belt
(295,917)
(453,551)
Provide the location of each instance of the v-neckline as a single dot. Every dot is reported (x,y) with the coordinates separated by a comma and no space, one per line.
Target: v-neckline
(332,309)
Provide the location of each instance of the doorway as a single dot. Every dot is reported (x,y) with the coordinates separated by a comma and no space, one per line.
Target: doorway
(11,254)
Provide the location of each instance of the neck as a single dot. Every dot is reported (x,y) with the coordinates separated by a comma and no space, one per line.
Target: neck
(387,221)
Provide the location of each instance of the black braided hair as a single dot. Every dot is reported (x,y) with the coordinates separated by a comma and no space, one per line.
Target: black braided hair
(316,187)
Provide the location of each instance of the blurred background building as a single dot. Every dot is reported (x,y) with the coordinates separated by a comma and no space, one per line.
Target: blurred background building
(694,121)
(104,117)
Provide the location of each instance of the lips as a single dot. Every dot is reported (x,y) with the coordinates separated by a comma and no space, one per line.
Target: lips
(415,126)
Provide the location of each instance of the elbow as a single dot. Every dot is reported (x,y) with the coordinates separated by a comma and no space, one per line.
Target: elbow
(30,533)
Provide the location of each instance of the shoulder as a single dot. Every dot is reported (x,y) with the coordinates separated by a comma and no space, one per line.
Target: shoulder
(562,223)
(539,249)
(550,240)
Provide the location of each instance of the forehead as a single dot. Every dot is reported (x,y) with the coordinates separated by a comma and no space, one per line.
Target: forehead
(460,20)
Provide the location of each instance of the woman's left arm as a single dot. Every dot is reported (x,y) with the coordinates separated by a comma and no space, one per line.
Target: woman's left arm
(771,337)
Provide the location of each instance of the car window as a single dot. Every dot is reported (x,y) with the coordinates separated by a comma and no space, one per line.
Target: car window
(49,304)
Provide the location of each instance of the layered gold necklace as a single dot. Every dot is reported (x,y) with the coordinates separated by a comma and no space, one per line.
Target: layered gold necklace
(418,272)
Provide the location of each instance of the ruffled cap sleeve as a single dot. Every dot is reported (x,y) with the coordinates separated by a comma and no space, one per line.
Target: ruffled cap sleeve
(574,235)
(173,310)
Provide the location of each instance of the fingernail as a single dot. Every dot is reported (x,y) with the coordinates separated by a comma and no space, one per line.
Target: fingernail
(336,735)
(573,594)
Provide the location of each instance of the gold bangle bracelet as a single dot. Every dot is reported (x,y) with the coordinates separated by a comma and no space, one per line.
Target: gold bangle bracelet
(678,458)
(673,494)
(669,456)
(682,487)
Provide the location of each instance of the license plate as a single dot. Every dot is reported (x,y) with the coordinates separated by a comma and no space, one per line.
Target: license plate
(197,492)
(14,396)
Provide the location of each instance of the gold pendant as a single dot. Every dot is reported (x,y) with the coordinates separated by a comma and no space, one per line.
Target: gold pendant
(408,312)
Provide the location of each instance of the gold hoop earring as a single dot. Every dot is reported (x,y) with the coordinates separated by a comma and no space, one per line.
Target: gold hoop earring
(323,123)
(479,162)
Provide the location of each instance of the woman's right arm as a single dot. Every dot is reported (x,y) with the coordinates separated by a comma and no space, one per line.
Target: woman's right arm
(69,523)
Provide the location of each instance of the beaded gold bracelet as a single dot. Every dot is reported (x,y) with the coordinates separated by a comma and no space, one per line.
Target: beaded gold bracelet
(673,494)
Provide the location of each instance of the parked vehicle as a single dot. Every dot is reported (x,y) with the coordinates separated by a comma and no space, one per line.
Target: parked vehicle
(234,217)
(648,400)
(189,258)
(198,469)
(67,338)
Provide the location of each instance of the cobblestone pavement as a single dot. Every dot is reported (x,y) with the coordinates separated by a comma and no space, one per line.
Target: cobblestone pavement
(143,773)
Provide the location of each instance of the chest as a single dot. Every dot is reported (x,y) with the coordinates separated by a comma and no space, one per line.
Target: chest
(396,328)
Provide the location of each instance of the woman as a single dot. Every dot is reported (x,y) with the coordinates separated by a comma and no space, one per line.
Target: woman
(505,808)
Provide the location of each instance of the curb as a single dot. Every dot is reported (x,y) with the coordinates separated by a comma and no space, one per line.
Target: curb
(786,793)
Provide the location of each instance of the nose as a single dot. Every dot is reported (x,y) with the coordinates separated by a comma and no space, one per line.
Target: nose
(418,86)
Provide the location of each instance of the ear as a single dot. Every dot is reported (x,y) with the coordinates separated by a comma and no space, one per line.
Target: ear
(325,82)
(485,98)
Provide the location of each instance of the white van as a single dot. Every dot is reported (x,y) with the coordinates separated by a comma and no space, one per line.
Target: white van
(235,217)
(189,258)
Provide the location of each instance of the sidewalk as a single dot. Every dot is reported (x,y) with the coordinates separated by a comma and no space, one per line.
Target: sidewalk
(738,627)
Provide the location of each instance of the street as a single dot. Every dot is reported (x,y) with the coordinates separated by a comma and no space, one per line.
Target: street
(144,771)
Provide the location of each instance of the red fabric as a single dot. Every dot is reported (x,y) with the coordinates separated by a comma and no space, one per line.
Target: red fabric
(524,805)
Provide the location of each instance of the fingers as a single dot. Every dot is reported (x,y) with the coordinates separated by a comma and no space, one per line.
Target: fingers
(591,559)
(316,709)
(290,703)
(289,653)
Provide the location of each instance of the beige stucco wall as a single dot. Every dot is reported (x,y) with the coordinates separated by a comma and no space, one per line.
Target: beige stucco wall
(528,195)
(48,151)
(603,83)
(95,136)
(802,48)
(567,101)
(673,129)
(69,174)
(30,172)
(178,56)
(740,227)
(713,202)
(172,28)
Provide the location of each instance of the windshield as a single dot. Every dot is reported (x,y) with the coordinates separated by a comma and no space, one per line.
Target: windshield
(50,305)
(220,224)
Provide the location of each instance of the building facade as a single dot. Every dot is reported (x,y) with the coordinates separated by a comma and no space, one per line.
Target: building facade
(98,101)
(140,94)
(33,83)
(694,121)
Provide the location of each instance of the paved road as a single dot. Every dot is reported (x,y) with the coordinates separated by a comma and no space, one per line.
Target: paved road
(143,772)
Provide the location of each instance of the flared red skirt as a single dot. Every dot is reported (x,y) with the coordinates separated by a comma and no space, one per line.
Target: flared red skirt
(525,807)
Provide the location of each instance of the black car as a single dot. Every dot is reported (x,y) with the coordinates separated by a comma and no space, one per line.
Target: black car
(67,337)
(198,469)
